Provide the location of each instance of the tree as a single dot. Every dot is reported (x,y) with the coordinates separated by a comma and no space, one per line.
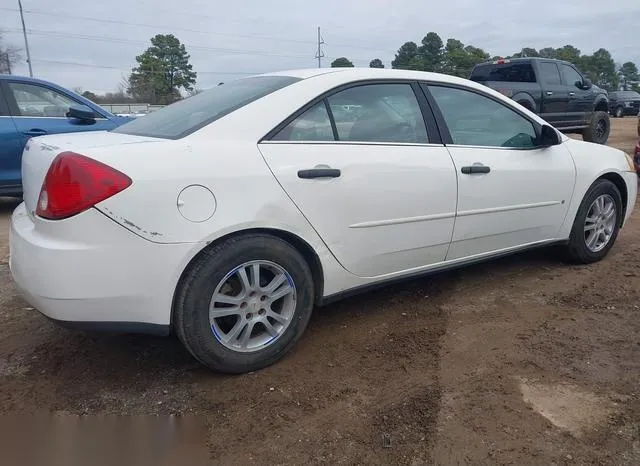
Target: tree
(459,60)
(9,56)
(431,52)
(526,52)
(601,69)
(407,57)
(629,75)
(163,69)
(568,53)
(547,52)
(341,62)
(376,63)
(91,96)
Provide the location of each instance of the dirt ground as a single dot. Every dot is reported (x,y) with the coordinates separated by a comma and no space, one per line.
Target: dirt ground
(520,361)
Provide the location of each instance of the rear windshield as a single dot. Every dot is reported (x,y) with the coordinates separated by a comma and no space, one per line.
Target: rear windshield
(182,118)
(507,72)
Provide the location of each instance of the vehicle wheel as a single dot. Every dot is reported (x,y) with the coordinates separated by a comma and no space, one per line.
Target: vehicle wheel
(244,303)
(619,113)
(596,225)
(598,129)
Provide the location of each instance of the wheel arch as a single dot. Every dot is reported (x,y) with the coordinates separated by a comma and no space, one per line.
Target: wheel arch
(302,246)
(601,105)
(619,182)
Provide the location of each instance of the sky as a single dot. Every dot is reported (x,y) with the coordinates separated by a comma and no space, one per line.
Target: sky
(91,45)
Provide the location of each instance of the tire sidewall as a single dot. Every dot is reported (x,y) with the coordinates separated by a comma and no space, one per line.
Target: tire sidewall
(589,133)
(198,292)
(577,240)
(619,112)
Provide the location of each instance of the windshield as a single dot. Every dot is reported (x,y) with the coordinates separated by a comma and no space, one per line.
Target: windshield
(186,116)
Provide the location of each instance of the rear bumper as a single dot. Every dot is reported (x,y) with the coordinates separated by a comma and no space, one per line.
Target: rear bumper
(89,272)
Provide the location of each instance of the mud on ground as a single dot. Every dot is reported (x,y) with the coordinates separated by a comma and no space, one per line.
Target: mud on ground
(520,361)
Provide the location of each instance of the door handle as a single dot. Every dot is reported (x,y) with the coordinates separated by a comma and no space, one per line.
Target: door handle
(473,169)
(35,132)
(572,94)
(549,93)
(318,173)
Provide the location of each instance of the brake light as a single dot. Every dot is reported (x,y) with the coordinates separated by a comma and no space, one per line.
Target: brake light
(74,183)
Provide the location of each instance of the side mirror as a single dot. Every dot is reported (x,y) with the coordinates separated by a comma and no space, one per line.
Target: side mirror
(81,112)
(586,84)
(548,137)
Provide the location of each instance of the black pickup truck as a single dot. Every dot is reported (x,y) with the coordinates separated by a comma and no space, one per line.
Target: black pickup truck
(553,89)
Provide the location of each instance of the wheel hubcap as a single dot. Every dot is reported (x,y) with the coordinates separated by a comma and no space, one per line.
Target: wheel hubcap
(252,306)
(600,128)
(600,223)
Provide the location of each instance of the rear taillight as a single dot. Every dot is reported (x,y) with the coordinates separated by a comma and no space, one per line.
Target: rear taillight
(75,183)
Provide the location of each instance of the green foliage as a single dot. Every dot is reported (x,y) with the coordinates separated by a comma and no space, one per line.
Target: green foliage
(376,63)
(601,69)
(629,76)
(90,95)
(341,62)
(163,69)
(431,53)
(407,57)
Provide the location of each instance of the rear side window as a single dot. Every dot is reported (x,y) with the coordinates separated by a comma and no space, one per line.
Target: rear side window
(549,73)
(186,116)
(4,107)
(366,113)
(507,72)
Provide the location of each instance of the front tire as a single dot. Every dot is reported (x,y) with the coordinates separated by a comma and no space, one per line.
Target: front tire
(619,113)
(244,303)
(596,225)
(598,129)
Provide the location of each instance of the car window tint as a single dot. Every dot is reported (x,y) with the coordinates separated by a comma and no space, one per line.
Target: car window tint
(504,72)
(550,73)
(4,107)
(39,101)
(571,76)
(182,118)
(312,125)
(476,120)
(378,113)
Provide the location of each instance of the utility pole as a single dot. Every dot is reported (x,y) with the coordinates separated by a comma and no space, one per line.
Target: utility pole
(26,42)
(319,53)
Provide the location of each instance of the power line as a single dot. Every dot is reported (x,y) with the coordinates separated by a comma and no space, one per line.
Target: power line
(175,28)
(122,41)
(118,68)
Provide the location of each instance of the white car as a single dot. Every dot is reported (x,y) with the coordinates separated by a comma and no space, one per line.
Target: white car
(228,216)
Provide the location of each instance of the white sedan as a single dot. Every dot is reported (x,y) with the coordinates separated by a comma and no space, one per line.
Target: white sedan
(228,216)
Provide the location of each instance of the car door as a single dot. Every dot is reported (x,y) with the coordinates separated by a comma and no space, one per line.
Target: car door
(510,192)
(580,100)
(38,109)
(10,148)
(555,95)
(360,165)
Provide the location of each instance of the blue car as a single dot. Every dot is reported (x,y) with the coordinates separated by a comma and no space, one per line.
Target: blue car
(31,107)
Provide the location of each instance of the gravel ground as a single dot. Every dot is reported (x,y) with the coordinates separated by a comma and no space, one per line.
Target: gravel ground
(520,361)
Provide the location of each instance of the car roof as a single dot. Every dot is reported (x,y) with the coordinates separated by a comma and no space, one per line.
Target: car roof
(363,73)
(25,79)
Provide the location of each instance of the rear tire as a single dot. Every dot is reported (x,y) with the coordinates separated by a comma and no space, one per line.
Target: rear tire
(598,129)
(209,338)
(578,250)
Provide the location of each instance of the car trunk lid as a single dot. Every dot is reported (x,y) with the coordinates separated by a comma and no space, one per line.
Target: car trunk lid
(40,152)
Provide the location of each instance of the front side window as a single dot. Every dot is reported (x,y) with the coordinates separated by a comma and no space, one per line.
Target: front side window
(39,101)
(550,73)
(477,120)
(571,76)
